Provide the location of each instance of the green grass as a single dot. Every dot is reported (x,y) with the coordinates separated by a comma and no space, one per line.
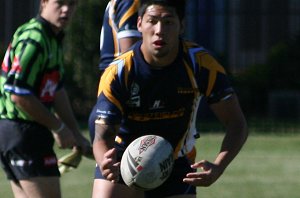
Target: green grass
(268,166)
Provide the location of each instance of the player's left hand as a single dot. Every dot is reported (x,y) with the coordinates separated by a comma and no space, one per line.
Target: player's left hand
(209,174)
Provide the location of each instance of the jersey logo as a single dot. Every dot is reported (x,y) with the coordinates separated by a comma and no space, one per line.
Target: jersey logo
(157,105)
(135,98)
(48,86)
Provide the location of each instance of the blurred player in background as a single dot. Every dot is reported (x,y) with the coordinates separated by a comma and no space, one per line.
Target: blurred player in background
(35,109)
(119,32)
(155,88)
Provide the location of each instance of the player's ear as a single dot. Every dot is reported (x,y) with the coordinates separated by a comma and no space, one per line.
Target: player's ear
(139,23)
(42,5)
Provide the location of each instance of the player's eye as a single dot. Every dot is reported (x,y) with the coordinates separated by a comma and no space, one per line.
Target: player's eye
(168,22)
(152,21)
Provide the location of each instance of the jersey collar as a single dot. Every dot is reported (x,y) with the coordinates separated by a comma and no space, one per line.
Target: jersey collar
(49,30)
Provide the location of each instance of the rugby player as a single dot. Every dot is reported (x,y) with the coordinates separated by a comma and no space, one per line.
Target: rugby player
(34,106)
(156,88)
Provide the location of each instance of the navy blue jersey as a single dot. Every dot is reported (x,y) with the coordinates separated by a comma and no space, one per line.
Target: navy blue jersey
(163,101)
(120,21)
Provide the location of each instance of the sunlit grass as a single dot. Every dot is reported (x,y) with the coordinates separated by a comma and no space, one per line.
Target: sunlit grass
(267,166)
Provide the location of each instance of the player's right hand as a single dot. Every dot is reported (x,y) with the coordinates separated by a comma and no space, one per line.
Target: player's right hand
(110,169)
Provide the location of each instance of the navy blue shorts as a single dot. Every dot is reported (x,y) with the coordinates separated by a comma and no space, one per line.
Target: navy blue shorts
(172,186)
(26,150)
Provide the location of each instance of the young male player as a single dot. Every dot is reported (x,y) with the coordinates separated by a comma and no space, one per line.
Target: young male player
(155,88)
(34,106)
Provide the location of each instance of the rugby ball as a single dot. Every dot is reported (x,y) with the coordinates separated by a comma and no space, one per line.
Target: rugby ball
(147,162)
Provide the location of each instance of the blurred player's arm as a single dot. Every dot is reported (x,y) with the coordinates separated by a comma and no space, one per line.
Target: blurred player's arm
(64,110)
(126,43)
(39,113)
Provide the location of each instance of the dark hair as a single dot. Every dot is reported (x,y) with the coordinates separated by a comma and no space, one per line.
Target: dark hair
(179,6)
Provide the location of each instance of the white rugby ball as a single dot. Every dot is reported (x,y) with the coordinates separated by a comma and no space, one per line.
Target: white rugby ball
(147,162)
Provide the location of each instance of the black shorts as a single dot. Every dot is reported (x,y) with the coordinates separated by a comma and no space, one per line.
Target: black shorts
(26,150)
(172,186)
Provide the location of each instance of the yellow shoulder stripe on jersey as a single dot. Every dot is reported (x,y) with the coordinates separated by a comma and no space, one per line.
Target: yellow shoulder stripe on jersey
(108,76)
(121,65)
(125,64)
(207,61)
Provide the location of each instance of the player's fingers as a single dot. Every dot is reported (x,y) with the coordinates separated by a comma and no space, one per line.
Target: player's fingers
(108,172)
(105,173)
(198,179)
(112,173)
(203,164)
(110,153)
(109,169)
(106,163)
(117,165)
(113,177)
(200,175)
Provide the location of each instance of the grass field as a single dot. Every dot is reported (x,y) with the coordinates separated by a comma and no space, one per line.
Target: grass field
(268,166)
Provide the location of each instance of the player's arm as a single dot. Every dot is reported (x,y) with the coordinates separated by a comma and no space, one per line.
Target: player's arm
(230,115)
(64,111)
(103,148)
(126,21)
(224,104)
(36,110)
(108,123)
(39,113)
(126,43)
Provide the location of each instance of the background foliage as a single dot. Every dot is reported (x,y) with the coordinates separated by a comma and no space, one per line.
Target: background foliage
(279,73)
(82,56)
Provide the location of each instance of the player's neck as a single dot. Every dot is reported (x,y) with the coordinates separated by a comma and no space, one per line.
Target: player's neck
(159,62)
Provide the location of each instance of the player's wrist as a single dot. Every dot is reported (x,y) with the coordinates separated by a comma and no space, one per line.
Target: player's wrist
(59,129)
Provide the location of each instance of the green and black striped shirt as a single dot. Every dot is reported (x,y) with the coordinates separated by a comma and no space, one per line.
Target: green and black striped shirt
(33,64)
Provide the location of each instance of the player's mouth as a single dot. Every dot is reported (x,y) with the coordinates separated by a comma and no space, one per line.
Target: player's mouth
(64,19)
(159,43)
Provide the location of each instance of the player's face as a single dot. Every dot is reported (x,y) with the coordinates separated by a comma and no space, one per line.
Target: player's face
(160,27)
(57,12)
